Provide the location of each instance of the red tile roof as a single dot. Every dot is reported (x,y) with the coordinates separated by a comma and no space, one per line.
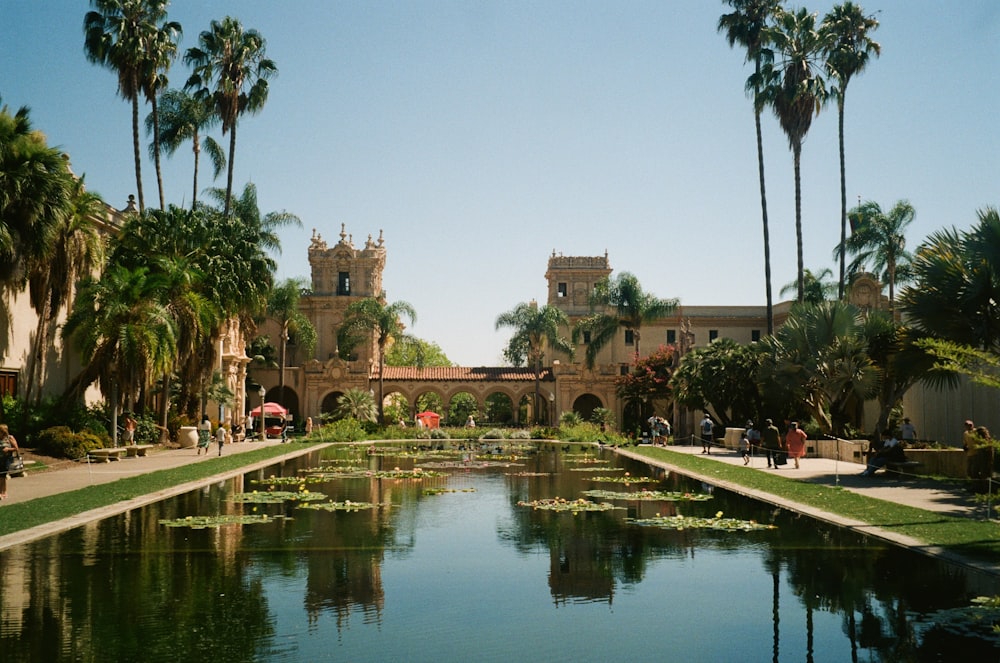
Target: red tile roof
(464,374)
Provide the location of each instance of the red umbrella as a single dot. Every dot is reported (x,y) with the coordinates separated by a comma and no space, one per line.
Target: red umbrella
(270,410)
(430,419)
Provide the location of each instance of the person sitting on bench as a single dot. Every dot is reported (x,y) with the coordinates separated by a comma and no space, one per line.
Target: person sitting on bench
(891,451)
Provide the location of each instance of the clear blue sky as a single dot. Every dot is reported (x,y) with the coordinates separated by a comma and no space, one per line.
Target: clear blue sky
(481,136)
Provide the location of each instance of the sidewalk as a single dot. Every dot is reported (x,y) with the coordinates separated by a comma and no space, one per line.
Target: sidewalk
(949,498)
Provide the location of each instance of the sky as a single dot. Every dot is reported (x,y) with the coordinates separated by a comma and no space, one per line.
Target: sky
(481,137)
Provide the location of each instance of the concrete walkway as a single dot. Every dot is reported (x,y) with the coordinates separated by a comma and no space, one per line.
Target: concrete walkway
(66,476)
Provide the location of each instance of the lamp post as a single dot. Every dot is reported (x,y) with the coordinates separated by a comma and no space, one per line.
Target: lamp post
(552,408)
(263,431)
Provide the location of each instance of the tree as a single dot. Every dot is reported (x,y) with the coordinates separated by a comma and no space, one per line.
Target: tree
(745,26)
(797,95)
(649,379)
(161,50)
(182,118)
(417,352)
(535,331)
(878,242)
(373,316)
(849,47)
(77,251)
(231,71)
(956,287)
(283,307)
(722,376)
(818,287)
(117,36)
(622,303)
(356,404)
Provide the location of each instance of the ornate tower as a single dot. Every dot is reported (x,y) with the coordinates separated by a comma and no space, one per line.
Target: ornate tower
(572,279)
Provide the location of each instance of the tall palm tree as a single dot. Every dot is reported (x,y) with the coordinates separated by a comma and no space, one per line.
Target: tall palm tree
(535,330)
(878,241)
(182,118)
(77,251)
(818,287)
(619,302)
(283,307)
(849,47)
(373,316)
(117,36)
(797,96)
(231,70)
(745,26)
(161,49)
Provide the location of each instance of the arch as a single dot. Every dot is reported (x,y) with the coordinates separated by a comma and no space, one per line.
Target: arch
(585,404)
(286,397)
(498,408)
(461,406)
(397,408)
(329,402)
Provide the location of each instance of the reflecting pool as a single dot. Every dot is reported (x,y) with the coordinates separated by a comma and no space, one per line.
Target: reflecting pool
(452,568)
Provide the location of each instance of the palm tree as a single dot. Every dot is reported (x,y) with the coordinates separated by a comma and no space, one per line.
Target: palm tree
(356,404)
(231,71)
(182,118)
(161,50)
(818,287)
(745,26)
(797,96)
(622,303)
(535,330)
(77,251)
(374,316)
(283,307)
(848,50)
(116,36)
(878,241)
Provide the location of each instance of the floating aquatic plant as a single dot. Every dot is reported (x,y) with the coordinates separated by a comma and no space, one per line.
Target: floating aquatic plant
(574,506)
(346,505)
(596,469)
(276,496)
(466,464)
(679,522)
(627,479)
(527,474)
(439,491)
(203,522)
(649,495)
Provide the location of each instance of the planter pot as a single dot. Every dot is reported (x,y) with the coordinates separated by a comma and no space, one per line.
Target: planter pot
(187,437)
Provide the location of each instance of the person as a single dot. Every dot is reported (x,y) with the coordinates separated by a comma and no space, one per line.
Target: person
(8,448)
(745,447)
(795,442)
(248,426)
(237,432)
(976,456)
(771,443)
(204,433)
(753,436)
(907,432)
(129,430)
(220,437)
(706,434)
(470,422)
(889,451)
(309,426)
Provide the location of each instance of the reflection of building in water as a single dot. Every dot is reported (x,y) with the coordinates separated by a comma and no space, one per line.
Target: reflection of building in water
(581,569)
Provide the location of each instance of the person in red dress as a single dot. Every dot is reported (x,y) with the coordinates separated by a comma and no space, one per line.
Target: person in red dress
(795,442)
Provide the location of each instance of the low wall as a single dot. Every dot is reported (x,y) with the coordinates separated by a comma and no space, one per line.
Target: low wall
(851,451)
(938,462)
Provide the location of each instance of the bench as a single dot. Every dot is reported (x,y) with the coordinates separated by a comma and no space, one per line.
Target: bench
(902,468)
(134,450)
(105,455)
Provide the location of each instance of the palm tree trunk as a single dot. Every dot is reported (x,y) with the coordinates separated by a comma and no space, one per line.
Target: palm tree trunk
(538,385)
(197,152)
(156,152)
(229,176)
(797,152)
(281,369)
(138,154)
(843,198)
(767,231)
(381,385)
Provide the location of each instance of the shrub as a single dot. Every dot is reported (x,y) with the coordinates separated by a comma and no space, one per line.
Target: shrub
(492,434)
(343,430)
(439,434)
(62,442)
(588,432)
(521,434)
(570,418)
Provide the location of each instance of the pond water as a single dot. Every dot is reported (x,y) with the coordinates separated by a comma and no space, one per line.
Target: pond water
(469,575)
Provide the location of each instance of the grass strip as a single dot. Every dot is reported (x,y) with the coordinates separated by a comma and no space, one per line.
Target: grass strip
(975,539)
(25,515)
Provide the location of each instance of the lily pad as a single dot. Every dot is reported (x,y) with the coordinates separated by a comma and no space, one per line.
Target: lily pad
(203,522)
(690,522)
(439,491)
(276,496)
(346,505)
(627,480)
(574,506)
(649,495)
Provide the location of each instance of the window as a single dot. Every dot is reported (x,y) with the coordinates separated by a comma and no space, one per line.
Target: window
(713,334)
(586,338)
(755,335)
(8,383)
(623,369)
(629,337)
(561,290)
(344,283)
(671,336)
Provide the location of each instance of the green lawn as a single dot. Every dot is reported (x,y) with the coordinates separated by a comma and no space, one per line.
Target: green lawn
(975,539)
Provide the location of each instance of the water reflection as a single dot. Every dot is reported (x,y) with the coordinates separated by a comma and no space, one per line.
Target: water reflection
(471,575)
